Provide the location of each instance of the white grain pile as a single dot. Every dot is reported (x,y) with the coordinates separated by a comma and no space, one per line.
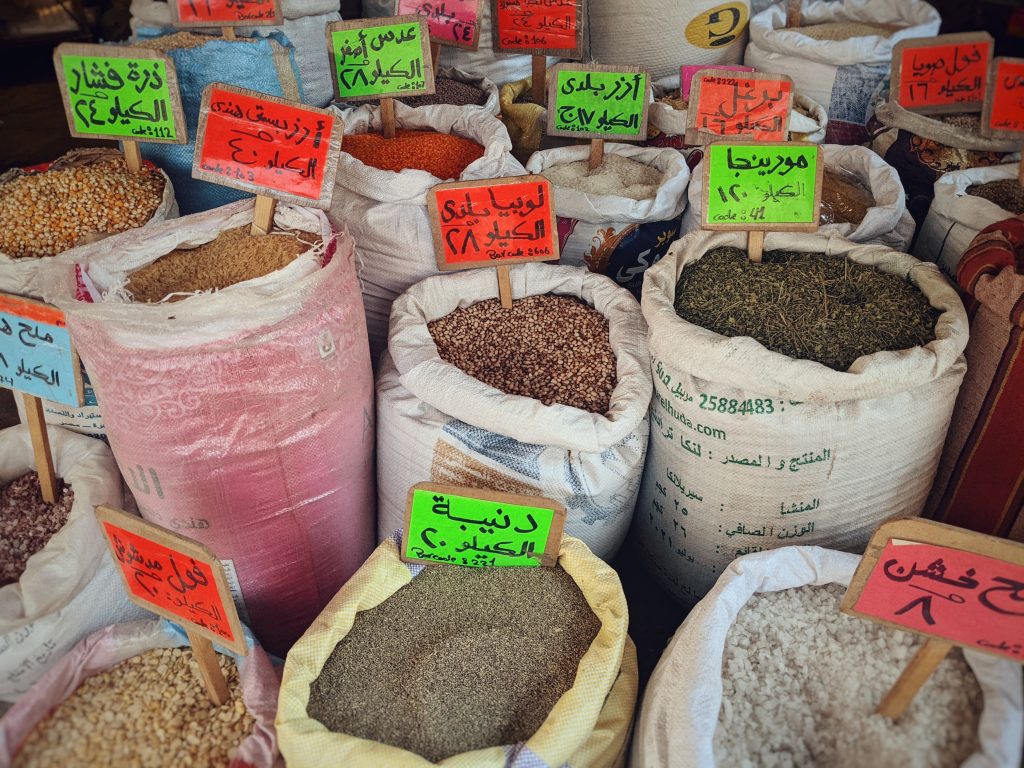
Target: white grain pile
(617,175)
(801,682)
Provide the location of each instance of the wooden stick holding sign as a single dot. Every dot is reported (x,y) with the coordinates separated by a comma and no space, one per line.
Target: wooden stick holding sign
(1002,116)
(793,9)
(953,586)
(746,107)
(181,580)
(38,359)
(452,23)
(941,75)
(226,14)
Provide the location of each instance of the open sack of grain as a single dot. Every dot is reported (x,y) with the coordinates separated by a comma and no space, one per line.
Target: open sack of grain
(131,694)
(465,668)
(549,398)
(382,187)
(806,397)
(240,395)
(861,199)
(767,671)
(57,580)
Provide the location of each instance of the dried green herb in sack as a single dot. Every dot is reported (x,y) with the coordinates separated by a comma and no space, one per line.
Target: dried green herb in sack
(1008,194)
(456,660)
(809,306)
(844,198)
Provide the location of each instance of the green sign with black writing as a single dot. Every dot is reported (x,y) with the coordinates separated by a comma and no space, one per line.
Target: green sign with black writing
(598,102)
(371,59)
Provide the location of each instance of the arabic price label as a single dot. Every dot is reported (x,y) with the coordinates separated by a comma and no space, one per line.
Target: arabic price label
(451,22)
(36,353)
(592,101)
(113,92)
(539,27)
(478,528)
(944,74)
(225,13)
(755,106)
(943,582)
(770,186)
(172,576)
(687,71)
(380,58)
(267,145)
(493,222)
(1003,113)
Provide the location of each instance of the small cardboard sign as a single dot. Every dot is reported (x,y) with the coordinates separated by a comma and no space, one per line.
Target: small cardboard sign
(687,71)
(474,527)
(173,577)
(751,106)
(36,353)
(943,74)
(451,22)
(266,145)
(592,101)
(1002,116)
(493,222)
(766,186)
(113,92)
(380,58)
(225,13)
(943,582)
(539,27)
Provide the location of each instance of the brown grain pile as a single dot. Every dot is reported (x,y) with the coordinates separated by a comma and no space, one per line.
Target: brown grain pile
(1008,194)
(844,198)
(27,523)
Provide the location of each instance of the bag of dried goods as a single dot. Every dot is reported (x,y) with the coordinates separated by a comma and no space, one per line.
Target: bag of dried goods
(767,671)
(413,665)
(382,186)
(57,582)
(455,88)
(242,416)
(978,482)
(861,199)
(619,219)
(840,54)
(131,694)
(805,397)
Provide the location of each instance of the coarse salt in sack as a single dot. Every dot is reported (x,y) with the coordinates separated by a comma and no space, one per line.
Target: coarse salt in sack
(587,728)
(875,431)
(243,417)
(438,423)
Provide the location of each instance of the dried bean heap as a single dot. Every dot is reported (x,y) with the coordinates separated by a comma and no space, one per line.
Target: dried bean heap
(43,214)
(27,522)
(444,155)
(448,91)
(1008,194)
(554,349)
(150,710)
(844,198)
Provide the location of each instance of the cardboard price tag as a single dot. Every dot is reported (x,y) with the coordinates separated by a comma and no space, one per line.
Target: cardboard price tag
(754,106)
(687,71)
(1003,113)
(592,101)
(36,353)
(539,27)
(943,74)
(469,526)
(112,92)
(378,58)
(267,145)
(451,22)
(225,13)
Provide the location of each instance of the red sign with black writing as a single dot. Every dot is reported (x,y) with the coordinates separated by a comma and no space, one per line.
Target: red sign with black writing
(451,22)
(942,77)
(538,26)
(225,13)
(1007,112)
(753,107)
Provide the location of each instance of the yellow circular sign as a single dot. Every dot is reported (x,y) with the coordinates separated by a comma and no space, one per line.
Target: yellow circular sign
(719,26)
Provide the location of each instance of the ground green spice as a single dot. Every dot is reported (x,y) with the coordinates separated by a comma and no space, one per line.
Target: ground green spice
(458,659)
(1008,194)
(806,305)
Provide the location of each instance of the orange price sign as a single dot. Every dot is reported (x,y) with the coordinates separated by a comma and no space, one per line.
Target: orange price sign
(225,13)
(753,106)
(1003,113)
(943,74)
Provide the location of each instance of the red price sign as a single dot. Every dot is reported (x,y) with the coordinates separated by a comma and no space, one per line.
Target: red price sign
(451,22)
(550,27)
(225,13)
(1003,114)
(753,106)
(267,145)
(944,74)
(494,222)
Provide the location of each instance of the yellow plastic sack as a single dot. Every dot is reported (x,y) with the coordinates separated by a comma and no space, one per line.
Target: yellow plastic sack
(587,728)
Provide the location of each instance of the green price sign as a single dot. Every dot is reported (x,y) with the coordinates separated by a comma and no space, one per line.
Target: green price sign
(380,58)
(770,185)
(591,101)
(468,526)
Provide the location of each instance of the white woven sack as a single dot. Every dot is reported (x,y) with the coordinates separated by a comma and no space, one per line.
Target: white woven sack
(679,715)
(955,217)
(887,223)
(386,212)
(854,448)
(672,122)
(71,587)
(436,422)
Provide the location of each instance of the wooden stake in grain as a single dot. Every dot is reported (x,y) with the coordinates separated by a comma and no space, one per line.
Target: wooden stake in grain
(596,153)
(263,215)
(539,86)
(41,447)
(387,118)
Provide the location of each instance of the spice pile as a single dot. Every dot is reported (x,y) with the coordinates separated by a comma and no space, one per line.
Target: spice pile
(801,681)
(444,155)
(43,214)
(449,91)
(844,30)
(27,522)
(616,175)
(809,306)
(458,659)
(844,198)
(232,257)
(1008,194)
(150,710)
(554,349)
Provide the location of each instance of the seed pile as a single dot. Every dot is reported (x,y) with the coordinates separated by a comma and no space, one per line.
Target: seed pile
(150,710)
(445,155)
(844,198)
(27,522)
(1008,194)
(616,175)
(844,30)
(458,659)
(970,122)
(551,348)
(232,257)
(181,40)
(801,681)
(43,214)
(806,305)
(449,91)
